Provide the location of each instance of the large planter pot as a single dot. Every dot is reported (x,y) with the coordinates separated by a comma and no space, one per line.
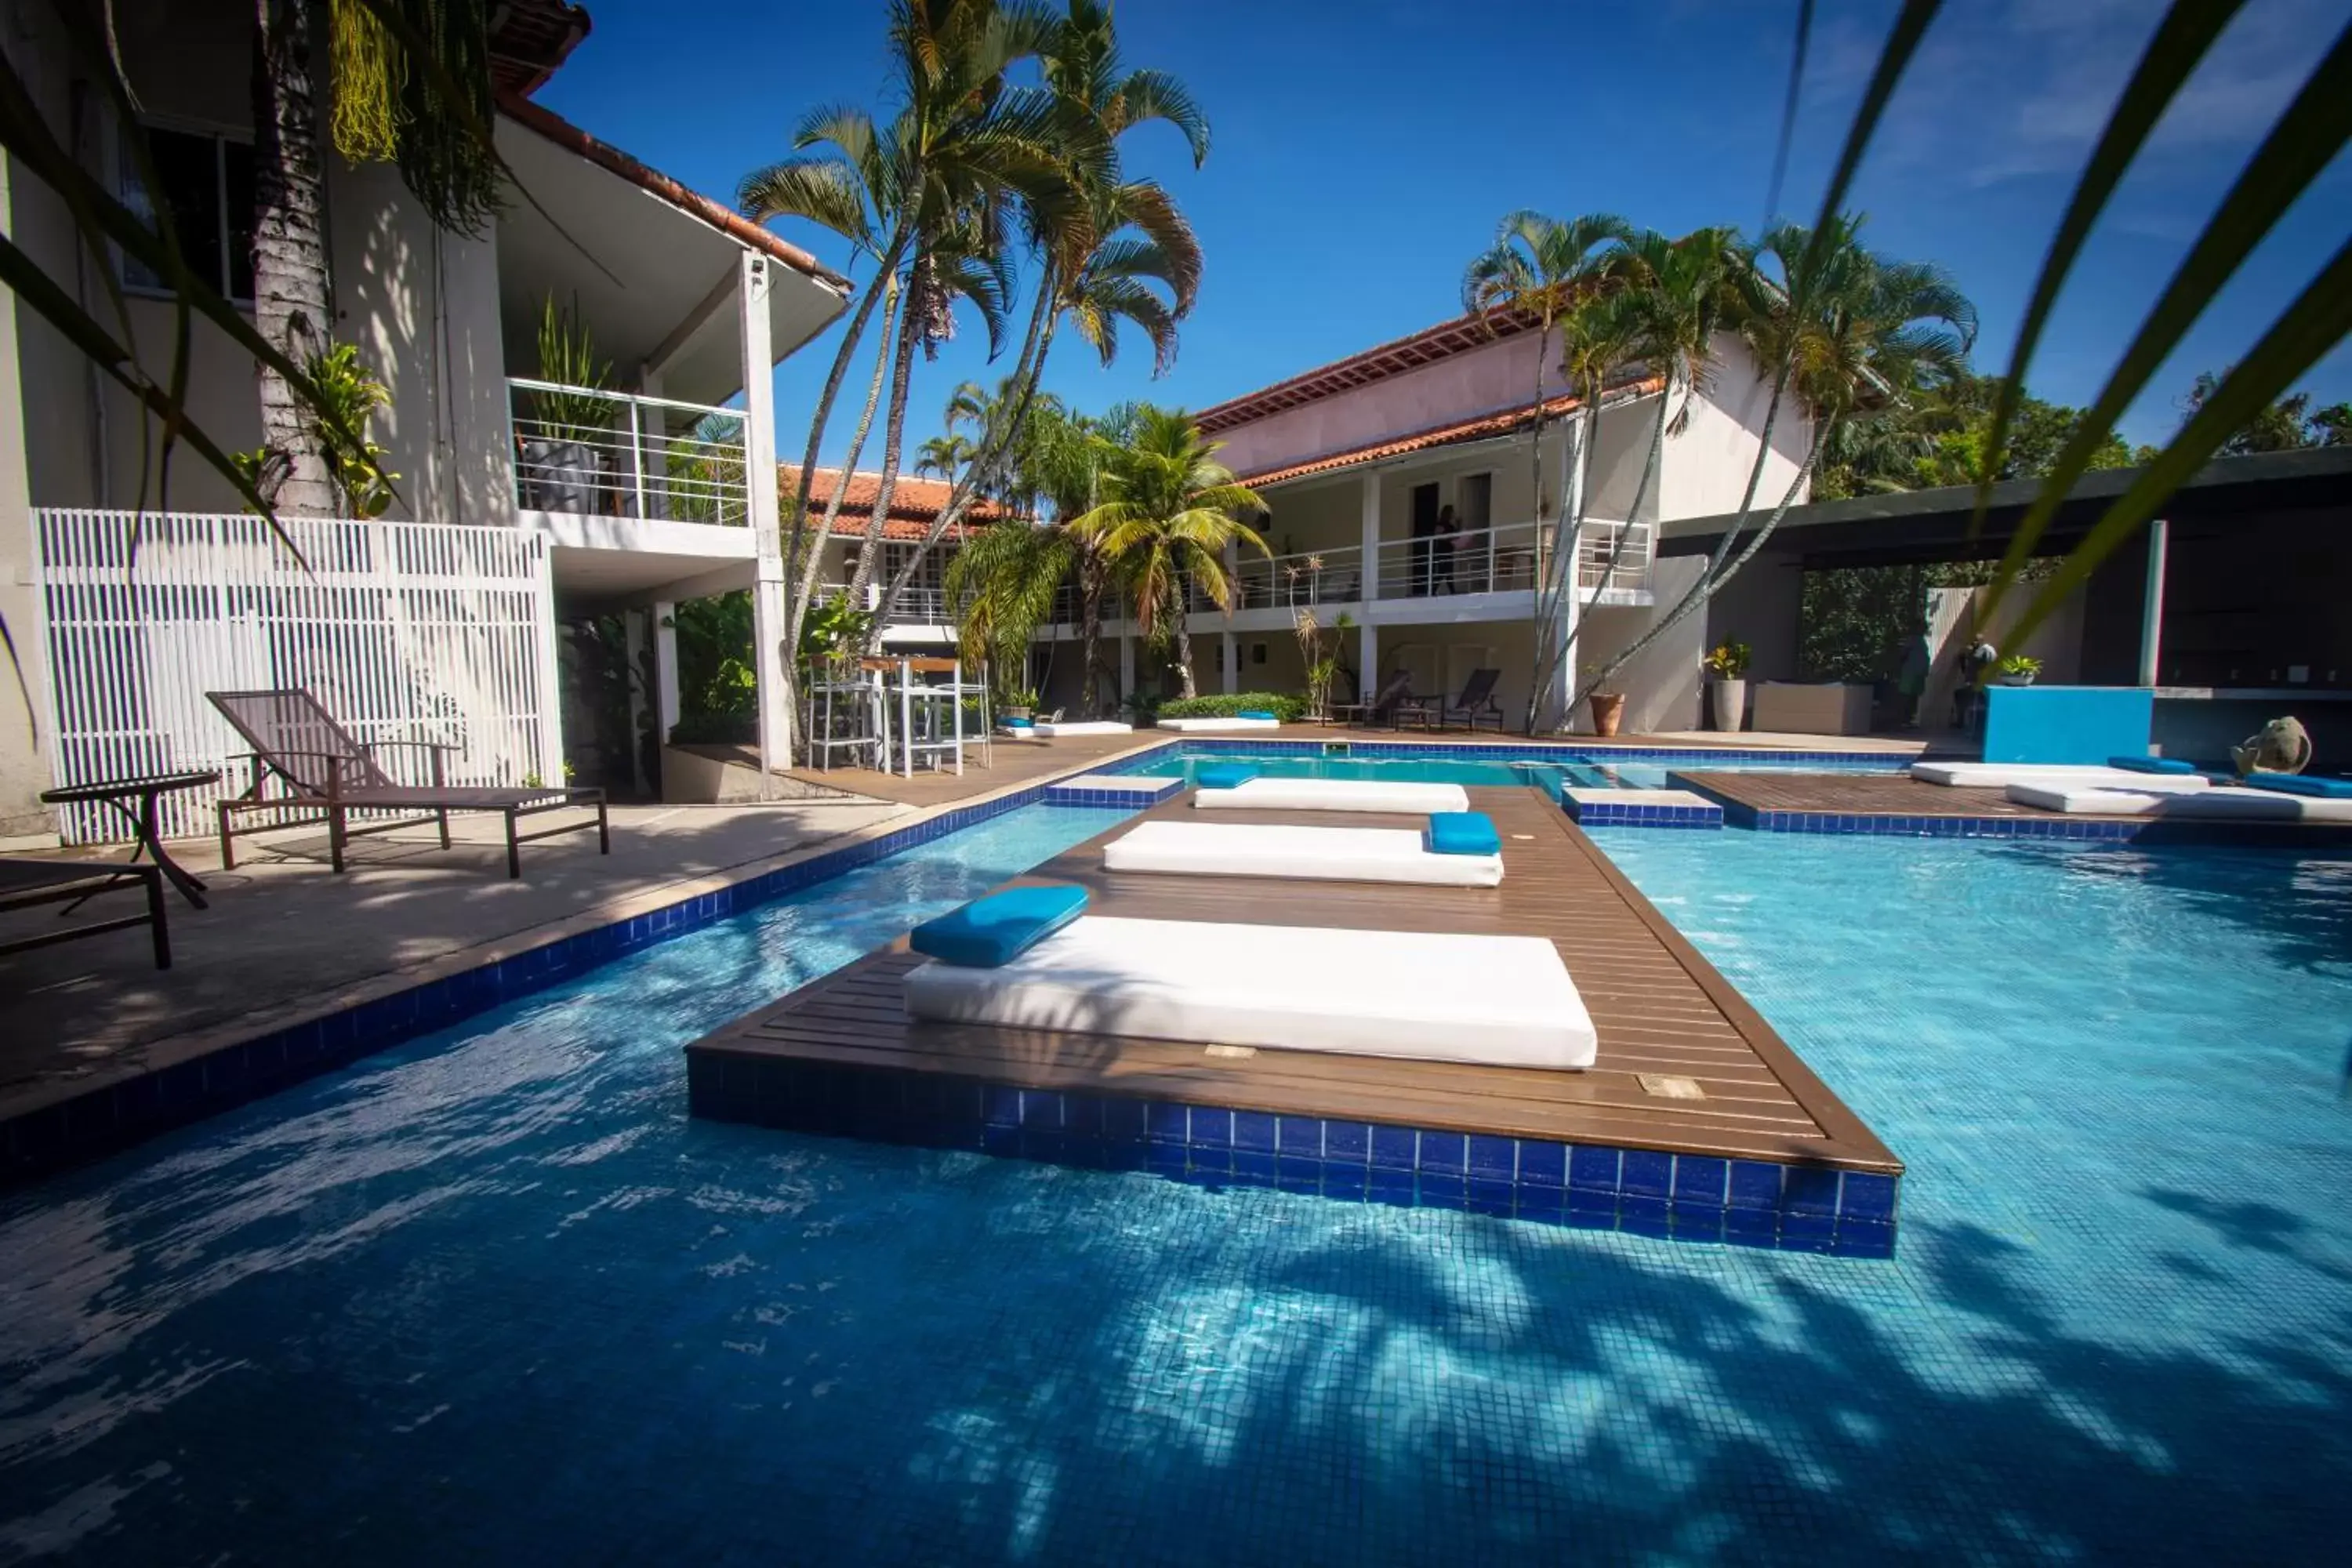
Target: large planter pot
(1727,703)
(2013,680)
(1608,710)
(560,475)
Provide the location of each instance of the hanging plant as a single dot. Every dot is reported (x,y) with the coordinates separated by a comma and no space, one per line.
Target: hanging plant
(369,73)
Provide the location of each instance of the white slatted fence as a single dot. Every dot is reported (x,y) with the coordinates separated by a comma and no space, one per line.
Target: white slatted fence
(404,630)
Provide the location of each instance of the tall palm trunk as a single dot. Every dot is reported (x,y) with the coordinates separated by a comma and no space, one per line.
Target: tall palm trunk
(1184,645)
(885,284)
(814,564)
(291,308)
(912,311)
(1091,672)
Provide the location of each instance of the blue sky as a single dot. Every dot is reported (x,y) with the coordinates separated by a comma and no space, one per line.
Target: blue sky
(1364,152)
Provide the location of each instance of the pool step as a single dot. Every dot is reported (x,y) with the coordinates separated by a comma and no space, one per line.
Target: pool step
(1121,792)
(1639,808)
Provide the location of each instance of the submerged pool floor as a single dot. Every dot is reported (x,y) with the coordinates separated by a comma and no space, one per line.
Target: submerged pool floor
(492,1298)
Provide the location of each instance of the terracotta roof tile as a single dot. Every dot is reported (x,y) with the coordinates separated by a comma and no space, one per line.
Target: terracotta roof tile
(1479,430)
(529,39)
(915,502)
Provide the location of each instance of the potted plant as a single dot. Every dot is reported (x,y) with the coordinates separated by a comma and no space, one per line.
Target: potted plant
(1727,685)
(562,463)
(1020,703)
(2017,669)
(1608,707)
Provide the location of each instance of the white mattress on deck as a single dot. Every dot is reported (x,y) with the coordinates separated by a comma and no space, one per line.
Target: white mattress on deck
(2084,775)
(1093,727)
(2225,805)
(1334,794)
(1318,854)
(1503,1001)
(1180,725)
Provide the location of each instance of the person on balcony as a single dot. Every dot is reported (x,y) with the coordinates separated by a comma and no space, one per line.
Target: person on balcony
(1444,550)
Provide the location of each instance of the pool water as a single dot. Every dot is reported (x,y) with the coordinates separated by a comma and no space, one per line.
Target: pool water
(491,1297)
(1400,765)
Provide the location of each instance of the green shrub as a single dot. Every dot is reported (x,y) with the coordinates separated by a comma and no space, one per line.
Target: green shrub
(1285,707)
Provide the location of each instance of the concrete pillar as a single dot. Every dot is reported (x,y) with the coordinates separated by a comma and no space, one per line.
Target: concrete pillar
(772,663)
(2151,614)
(1232,664)
(666,705)
(1368,661)
(1371,538)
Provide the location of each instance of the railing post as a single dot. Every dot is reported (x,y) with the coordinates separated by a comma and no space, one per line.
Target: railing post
(637,458)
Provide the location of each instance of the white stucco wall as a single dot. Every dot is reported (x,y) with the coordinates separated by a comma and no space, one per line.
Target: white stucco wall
(23,733)
(422,305)
(1706,467)
(1661,686)
(1761,607)
(1484,380)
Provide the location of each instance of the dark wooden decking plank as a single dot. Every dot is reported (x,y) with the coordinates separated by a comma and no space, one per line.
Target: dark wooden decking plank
(1656,1005)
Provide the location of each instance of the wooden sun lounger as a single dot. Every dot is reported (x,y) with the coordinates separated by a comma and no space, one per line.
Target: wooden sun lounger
(324,775)
(32,881)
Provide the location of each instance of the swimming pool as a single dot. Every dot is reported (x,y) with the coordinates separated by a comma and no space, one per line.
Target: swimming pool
(1408,764)
(491,1297)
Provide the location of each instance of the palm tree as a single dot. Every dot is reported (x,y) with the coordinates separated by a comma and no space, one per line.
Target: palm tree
(1170,512)
(1105,250)
(1852,333)
(943,457)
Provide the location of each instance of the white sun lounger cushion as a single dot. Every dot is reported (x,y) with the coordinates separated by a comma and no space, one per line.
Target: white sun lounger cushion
(1317,854)
(2209,806)
(1334,794)
(1095,727)
(1180,725)
(1500,1001)
(2085,776)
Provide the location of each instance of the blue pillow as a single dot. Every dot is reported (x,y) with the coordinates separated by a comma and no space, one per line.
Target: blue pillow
(1222,775)
(1253,713)
(2301,783)
(1000,927)
(1019,723)
(2152,764)
(1462,833)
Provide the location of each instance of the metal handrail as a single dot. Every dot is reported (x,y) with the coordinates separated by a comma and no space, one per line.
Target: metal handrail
(634,465)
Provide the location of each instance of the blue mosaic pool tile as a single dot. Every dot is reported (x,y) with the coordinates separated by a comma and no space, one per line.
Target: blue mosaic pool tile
(1492,1198)
(1395,1149)
(1593,1168)
(1648,1173)
(1298,1175)
(1254,1130)
(1863,1196)
(1300,1135)
(1125,1119)
(1493,1159)
(1347,1143)
(1443,1154)
(1211,1128)
(1167,1123)
(1253,1169)
(1809,1190)
(1542,1166)
(1698,1179)
(1754,1184)
(1396,1187)
(1345,1182)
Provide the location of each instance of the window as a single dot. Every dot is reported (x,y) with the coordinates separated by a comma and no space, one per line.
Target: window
(205,182)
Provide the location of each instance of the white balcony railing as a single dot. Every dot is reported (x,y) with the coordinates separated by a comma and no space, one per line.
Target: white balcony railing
(1303,579)
(918,605)
(614,454)
(1511,558)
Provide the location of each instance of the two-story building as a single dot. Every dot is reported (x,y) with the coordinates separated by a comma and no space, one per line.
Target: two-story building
(623,497)
(1358,459)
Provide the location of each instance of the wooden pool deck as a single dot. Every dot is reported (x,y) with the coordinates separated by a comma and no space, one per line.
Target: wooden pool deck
(1898,804)
(1692,1090)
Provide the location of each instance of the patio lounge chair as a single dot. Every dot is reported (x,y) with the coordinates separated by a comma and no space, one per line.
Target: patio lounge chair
(1396,690)
(1475,706)
(32,881)
(320,769)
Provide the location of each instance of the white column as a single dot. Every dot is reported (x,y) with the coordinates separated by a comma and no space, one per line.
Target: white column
(1372,540)
(666,707)
(1368,662)
(2151,614)
(772,662)
(633,625)
(1232,664)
